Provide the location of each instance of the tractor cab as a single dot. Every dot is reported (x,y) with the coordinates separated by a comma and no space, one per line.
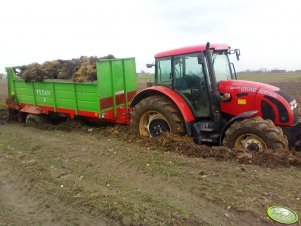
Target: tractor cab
(194,73)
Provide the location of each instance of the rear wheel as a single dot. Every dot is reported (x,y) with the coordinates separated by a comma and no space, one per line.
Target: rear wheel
(156,115)
(255,134)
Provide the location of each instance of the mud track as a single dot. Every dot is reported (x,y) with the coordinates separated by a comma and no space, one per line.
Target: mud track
(172,143)
(184,145)
(92,177)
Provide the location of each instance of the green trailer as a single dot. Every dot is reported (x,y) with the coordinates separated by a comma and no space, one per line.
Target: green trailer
(106,99)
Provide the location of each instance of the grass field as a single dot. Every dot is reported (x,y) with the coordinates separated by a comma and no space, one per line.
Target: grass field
(270,78)
(266,78)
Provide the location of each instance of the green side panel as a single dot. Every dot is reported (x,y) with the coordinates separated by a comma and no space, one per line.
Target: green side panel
(10,81)
(55,93)
(116,77)
(25,99)
(24,92)
(130,75)
(88,106)
(78,96)
(87,97)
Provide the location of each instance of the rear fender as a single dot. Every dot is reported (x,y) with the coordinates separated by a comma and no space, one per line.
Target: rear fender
(173,96)
(242,116)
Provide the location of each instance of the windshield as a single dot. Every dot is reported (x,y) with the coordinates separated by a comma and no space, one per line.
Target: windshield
(221,66)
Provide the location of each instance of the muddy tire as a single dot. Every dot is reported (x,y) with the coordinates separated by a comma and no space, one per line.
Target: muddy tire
(156,115)
(33,119)
(255,134)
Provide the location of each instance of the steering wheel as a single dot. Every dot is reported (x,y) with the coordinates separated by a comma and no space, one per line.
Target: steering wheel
(192,81)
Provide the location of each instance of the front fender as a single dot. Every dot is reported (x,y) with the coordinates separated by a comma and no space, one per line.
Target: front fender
(244,115)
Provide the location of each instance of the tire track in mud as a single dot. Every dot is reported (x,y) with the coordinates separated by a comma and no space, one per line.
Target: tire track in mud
(266,158)
(25,207)
(21,206)
(202,210)
(182,145)
(130,178)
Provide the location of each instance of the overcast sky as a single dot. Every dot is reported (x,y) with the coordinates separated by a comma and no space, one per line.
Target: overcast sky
(268,32)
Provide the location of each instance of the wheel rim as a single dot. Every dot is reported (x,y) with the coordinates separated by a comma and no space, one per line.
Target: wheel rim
(31,119)
(153,124)
(251,142)
(28,119)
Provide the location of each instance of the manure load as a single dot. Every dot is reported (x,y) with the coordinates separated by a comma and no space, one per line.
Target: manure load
(74,89)
(78,69)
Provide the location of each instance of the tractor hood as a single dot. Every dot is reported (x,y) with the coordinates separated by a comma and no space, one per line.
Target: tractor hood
(270,102)
(241,86)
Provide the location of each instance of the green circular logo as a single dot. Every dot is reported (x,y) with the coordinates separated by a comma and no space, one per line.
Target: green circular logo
(282,215)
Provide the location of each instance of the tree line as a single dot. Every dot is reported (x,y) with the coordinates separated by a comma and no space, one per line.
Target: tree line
(266,71)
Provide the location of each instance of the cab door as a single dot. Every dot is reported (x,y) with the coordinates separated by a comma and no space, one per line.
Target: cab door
(189,79)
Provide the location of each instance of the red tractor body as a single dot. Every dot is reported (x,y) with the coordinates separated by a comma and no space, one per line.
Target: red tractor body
(267,100)
(196,93)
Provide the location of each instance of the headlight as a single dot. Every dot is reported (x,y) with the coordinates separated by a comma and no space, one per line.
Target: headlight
(294,105)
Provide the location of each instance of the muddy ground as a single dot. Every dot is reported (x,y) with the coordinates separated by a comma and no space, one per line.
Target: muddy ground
(72,174)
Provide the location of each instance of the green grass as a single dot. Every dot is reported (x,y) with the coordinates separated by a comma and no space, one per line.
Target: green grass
(146,78)
(265,77)
(270,77)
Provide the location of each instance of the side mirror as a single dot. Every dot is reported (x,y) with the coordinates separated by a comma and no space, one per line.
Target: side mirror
(237,52)
(201,58)
(150,65)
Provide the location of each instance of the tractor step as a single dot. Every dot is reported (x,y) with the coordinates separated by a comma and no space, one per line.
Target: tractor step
(206,130)
(202,133)
(211,139)
(206,140)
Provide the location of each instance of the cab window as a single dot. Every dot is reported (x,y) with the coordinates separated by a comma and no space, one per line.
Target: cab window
(221,67)
(163,71)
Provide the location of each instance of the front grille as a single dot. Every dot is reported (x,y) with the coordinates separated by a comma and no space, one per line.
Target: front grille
(283,114)
(296,115)
(267,111)
(289,99)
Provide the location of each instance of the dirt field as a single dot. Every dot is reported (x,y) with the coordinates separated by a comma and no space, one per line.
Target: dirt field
(72,174)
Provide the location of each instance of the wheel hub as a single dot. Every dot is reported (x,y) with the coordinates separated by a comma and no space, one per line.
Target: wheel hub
(250,142)
(157,127)
(253,146)
(153,124)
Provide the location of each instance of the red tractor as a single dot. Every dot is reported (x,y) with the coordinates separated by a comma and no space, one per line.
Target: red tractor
(196,93)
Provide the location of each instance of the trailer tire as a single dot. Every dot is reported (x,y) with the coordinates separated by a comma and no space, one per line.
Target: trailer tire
(155,115)
(255,134)
(33,119)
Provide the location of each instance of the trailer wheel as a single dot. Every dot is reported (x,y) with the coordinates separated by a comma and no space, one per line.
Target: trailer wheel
(255,134)
(33,119)
(156,115)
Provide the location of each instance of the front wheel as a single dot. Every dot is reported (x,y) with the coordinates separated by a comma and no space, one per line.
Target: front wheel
(255,134)
(156,115)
